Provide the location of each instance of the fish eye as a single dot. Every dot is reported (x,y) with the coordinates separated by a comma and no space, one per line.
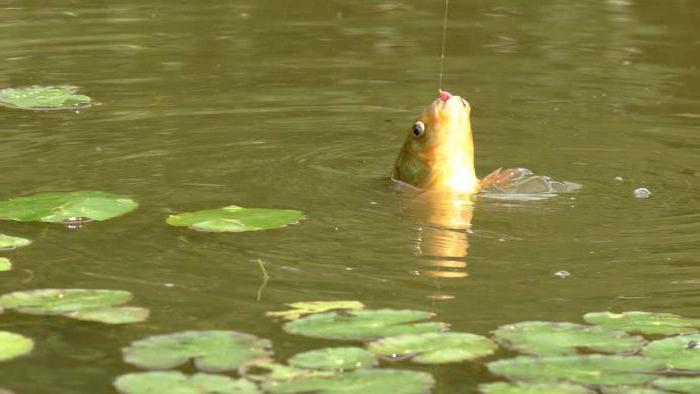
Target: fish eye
(418,129)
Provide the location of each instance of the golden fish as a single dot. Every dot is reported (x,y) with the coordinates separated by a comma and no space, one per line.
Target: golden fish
(438,155)
(439,149)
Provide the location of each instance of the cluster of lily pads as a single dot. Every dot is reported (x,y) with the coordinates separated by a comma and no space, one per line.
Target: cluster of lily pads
(614,359)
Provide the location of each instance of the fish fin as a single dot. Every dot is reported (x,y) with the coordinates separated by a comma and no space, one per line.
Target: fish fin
(496,177)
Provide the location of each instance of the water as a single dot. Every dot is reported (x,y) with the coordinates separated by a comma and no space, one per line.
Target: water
(304,106)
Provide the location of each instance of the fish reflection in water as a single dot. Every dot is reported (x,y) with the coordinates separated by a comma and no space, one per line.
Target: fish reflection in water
(444,218)
(442,233)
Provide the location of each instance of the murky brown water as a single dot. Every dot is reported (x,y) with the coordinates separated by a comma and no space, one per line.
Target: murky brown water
(304,105)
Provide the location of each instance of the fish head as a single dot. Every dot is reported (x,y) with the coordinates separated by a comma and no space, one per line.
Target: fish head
(438,151)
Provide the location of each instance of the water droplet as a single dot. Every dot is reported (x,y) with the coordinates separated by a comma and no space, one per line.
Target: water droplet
(618,179)
(562,274)
(642,192)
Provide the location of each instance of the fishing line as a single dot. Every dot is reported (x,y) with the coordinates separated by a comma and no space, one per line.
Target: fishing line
(444,40)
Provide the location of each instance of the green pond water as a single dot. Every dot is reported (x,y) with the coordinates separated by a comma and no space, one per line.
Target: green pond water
(304,105)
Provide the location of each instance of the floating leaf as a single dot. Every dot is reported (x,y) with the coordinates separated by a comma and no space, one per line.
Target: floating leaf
(533,388)
(367,381)
(589,369)
(5,264)
(61,301)
(555,339)
(630,390)
(8,242)
(300,309)
(364,324)
(211,350)
(680,352)
(265,370)
(14,345)
(435,348)
(235,219)
(645,322)
(117,315)
(44,98)
(679,385)
(334,358)
(66,207)
(175,382)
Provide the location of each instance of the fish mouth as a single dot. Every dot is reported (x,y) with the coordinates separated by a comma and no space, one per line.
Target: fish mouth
(447,105)
(444,95)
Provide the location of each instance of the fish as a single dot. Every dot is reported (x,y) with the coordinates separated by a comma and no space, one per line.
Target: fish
(438,155)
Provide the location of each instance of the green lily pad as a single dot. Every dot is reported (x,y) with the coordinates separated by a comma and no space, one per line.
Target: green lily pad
(175,382)
(235,219)
(62,301)
(679,385)
(435,348)
(533,388)
(645,322)
(266,370)
(66,207)
(300,309)
(557,339)
(115,315)
(44,98)
(212,351)
(630,390)
(14,345)
(679,352)
(5,264)
(366,381)
(364,324)
(334,358)
(8,242)
(589,369)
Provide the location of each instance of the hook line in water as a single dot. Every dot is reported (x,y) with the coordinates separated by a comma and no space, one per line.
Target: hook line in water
(444,40)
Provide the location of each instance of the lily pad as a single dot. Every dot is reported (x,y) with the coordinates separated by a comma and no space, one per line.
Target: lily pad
(235,219)
(435,348)
(62,301)
(364,324)
(589,369)
(14,345)
(300,309)
(267,370)
(44,98)
(116,315)
(679,385)
(5,264)
(334,358)
(645,322)
(8,242)
(630,390)
(556,339)
(679,352)
(212,351)
(175,382)
(365,381)
(533,388)
(66,207)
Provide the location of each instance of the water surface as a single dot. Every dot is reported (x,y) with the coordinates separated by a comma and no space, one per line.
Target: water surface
(304,105)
